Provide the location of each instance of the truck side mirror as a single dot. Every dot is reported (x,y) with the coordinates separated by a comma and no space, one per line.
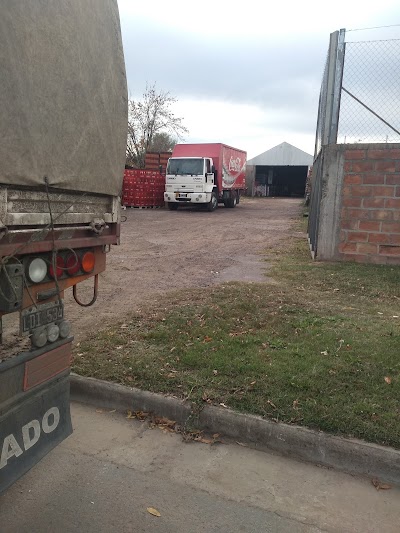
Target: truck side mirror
(213,169)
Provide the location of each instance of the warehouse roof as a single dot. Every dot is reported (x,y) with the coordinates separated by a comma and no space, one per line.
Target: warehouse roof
(282,155)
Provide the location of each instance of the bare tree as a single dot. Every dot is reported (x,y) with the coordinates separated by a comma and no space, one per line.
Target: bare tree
(162,142)
(147,117)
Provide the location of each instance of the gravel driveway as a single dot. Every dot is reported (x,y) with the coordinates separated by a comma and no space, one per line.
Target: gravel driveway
(164,250)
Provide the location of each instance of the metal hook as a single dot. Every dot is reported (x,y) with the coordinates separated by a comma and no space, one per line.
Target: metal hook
(95,291)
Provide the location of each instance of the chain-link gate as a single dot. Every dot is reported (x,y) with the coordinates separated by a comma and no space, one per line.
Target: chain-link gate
(370,99)
(359,103)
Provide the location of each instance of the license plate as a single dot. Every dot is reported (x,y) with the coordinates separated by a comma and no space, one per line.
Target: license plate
(42,315)
(181,195)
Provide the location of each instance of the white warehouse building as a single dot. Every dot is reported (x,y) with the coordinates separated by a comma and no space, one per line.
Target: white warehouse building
(280,171)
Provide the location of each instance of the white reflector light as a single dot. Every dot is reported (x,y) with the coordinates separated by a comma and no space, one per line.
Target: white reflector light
(65,328)
(37,270)
(39,338)
(53,332)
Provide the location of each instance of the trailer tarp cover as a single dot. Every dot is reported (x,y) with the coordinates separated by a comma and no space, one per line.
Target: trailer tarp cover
(63,95)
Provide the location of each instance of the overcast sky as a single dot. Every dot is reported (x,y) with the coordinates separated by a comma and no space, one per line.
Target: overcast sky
(245,73)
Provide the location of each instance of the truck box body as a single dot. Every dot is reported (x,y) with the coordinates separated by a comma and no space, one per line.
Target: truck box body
(230,163)
(228,179)
(63,122)
(63,127)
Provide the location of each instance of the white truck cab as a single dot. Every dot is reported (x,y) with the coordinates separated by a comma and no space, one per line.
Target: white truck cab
(190,180)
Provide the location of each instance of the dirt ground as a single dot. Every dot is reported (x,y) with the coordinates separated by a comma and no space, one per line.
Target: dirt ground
(164,250)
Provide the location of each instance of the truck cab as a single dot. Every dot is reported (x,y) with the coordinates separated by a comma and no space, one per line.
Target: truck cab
(191,180)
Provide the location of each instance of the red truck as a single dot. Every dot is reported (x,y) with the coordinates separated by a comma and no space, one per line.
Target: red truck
(205,174)
(63,127)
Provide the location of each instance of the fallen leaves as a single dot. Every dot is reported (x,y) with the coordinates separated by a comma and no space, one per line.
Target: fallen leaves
(170,426)
(388,379)
(206,440)
(196,435)
(163,423)
(238,333)
(139,415)
(153,511)
(205,398)
(379,485)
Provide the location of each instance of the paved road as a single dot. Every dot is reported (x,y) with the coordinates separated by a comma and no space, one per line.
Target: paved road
(111,470)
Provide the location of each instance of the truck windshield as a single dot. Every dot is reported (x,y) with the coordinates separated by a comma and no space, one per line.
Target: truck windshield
(192,166)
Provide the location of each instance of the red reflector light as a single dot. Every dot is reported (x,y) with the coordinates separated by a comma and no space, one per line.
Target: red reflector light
(73,264)
(88,261)
(59,267)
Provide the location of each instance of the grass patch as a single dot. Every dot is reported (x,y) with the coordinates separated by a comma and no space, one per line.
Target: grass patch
(320,347)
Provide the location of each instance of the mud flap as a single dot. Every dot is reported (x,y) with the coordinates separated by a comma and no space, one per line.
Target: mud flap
(31,425)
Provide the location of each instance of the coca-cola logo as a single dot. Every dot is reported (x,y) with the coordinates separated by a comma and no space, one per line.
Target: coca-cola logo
(235,164)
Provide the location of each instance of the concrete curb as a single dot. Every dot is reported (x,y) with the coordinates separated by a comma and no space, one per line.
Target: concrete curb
(348,455)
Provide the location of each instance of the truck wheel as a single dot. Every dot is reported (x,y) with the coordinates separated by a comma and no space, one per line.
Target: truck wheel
(231,201)
(173,206)
(213,203)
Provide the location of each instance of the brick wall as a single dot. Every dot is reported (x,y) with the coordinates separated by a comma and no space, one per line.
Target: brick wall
(370,214)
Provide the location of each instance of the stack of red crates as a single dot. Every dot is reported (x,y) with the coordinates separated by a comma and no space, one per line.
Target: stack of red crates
(155,160)
(143,188)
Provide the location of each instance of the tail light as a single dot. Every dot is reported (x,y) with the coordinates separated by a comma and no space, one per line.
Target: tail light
(37,270)
(88,261)
(72,264)
(75,263)
(60,265)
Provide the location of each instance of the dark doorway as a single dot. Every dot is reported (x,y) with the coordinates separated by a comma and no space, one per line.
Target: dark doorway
(280,180)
